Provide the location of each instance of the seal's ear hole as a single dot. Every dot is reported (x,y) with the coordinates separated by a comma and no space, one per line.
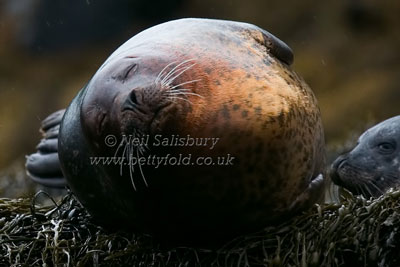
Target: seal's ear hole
(386,148)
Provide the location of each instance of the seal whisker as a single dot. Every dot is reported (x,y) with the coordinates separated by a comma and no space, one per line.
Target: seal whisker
(192,81)
(138,135)
(185,93)
(140,168)
(129,151)
(122,161)
(162,71)
(376,187)
(175,97)
(390,179)
(177,90)
(365,190)
(117,150)
(181,89)
(380,190)
(178,94)
(170,80)
(131,168)
(174,70)
(141,147)
(123,154)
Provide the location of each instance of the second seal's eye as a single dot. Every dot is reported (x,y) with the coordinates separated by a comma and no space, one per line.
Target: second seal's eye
(386,148)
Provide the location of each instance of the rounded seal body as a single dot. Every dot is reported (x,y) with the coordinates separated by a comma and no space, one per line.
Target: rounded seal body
(259,146)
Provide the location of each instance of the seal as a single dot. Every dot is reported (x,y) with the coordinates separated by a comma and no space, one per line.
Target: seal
(373,165)
(207,131)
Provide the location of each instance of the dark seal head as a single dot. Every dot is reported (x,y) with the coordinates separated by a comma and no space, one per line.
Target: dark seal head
(225,83)
(373,165)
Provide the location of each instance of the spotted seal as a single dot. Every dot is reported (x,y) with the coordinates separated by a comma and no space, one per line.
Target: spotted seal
(373,165)
(195,78)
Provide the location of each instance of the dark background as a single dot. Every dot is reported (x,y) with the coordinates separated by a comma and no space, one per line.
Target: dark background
(347,51)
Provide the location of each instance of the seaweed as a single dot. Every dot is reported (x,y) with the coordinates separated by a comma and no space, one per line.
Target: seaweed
(356,231)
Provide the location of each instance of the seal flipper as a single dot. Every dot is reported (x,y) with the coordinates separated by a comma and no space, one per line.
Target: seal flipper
(43,166)
(278,48)
(307,198)
(274,45)
(52,120)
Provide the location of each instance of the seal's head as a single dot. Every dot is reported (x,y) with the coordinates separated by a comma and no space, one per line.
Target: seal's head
(136,97)
(373,166)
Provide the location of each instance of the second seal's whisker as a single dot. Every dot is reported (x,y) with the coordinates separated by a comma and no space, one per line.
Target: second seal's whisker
(365,190)
(377,187)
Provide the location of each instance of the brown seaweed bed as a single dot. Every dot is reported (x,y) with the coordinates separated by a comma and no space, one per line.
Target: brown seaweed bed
(357,231)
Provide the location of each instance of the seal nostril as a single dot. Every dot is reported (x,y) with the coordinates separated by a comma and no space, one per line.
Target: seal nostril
(341,163)
(133,97)
(134,102)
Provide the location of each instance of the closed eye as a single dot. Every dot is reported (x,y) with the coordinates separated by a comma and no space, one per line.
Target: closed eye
(129,71)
